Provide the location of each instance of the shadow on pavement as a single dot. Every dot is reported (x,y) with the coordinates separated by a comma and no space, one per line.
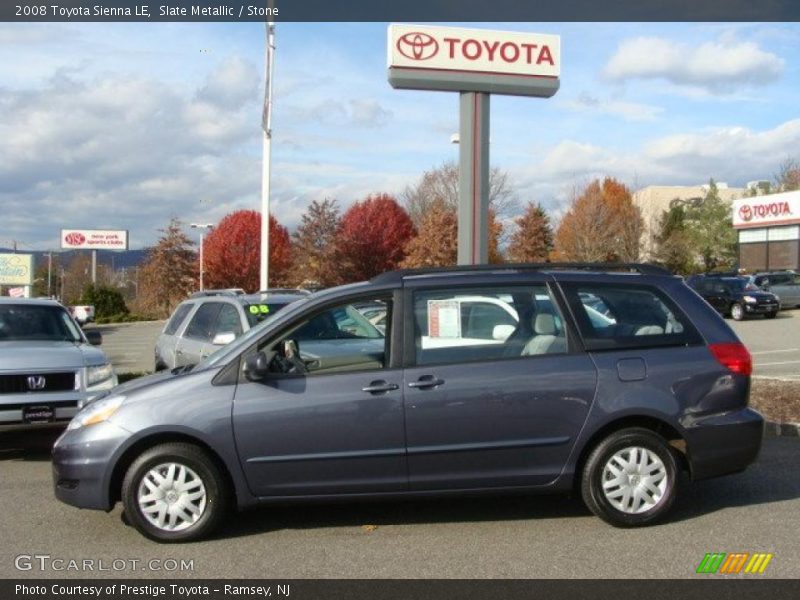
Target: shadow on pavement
(28,444)
(401,512)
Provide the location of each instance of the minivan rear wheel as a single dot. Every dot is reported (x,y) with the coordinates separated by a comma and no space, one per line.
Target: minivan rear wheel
(630,478)
(174,493)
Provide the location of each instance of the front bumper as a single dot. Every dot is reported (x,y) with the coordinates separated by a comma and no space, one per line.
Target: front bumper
(83,461)
(760,309)
(723,443)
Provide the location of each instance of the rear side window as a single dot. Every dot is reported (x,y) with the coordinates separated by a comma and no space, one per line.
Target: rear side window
(612,317)
(177,318)
(486,324)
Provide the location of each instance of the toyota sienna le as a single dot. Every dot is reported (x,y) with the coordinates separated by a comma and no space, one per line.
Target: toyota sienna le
(608,379)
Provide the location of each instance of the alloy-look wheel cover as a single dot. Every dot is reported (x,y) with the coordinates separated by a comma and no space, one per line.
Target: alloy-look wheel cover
(634,480)
(172,497)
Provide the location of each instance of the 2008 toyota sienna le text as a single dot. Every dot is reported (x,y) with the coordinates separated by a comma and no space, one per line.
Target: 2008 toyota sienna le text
(526,378)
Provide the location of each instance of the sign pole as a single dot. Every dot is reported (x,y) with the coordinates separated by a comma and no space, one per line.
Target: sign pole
(94,267)
(473,179)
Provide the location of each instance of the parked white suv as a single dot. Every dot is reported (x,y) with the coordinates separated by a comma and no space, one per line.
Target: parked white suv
(48,365)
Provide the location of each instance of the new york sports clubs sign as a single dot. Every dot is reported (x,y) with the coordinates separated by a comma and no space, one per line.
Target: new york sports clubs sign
(451,58)
(94,239)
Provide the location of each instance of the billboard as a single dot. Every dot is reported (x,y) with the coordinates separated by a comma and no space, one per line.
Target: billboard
(94,239)
(772,209)
(477,60)
(16,269)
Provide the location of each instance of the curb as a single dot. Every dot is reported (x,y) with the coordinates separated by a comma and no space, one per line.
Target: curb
(773,429)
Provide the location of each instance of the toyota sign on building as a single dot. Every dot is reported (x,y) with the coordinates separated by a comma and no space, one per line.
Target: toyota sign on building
(769,231)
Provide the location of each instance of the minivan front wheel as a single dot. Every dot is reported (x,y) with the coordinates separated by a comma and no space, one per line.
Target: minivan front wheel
(174,493)
(630,478)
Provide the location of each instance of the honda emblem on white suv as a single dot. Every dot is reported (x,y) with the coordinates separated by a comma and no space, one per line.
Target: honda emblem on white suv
(36,382)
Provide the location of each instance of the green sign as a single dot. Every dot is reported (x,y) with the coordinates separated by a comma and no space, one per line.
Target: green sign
(16,269)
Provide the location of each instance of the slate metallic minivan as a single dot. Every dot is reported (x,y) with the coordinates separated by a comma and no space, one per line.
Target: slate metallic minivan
(611,379)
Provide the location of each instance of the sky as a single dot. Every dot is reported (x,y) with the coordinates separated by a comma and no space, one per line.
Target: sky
(123,126)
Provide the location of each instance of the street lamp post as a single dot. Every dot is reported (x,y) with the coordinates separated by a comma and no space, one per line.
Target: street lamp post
(202,227)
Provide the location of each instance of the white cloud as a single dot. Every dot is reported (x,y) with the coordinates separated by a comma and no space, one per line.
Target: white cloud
(629,111)
(720,66)
(732,154)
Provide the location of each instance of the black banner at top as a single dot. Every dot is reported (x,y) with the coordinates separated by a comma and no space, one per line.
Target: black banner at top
(398,10)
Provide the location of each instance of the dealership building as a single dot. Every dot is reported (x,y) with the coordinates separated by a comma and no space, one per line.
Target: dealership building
(768,230)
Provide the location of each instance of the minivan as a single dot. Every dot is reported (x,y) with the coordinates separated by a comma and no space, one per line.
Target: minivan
(612,381)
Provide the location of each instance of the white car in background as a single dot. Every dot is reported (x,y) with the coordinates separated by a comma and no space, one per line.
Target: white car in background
(82,314)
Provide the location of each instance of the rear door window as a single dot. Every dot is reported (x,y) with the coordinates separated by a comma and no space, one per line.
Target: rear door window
(630,317)
(177,318)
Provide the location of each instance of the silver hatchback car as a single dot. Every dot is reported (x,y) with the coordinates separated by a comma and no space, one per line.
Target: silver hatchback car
(211,319)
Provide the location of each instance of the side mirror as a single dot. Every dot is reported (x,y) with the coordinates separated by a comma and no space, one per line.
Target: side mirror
(223,339)
(502,332)
(94,336)
(256,366)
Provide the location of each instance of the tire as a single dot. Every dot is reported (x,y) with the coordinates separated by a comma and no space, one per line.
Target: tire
(626,505)
(154,481)
(737,311)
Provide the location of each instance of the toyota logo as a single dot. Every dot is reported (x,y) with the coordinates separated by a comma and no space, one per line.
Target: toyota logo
(36,382)
(75,238)
(417,46)
(745,212)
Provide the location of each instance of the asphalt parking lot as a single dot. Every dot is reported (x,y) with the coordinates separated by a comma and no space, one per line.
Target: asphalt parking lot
(774,344)
(509,537)
(130,345)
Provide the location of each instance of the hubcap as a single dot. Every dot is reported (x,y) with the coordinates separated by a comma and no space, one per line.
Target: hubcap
(634,480)
(172,496)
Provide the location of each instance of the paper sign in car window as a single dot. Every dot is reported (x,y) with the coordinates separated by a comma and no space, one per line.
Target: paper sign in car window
(444,319)
(253,309)
(263,309)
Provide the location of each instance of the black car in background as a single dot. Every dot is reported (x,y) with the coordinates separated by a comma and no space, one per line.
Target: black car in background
(735,296)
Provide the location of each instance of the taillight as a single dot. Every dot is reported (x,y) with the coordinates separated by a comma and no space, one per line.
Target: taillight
(733,357)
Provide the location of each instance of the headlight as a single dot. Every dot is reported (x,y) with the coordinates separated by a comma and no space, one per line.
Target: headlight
(777,298)
(749,299)
(96,412)
(95,375)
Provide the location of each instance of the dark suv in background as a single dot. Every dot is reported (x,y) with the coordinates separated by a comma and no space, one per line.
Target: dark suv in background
(735,296)
(608,379)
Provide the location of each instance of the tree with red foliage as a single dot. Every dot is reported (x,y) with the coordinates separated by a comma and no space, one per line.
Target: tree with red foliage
(232,252)
(371,238)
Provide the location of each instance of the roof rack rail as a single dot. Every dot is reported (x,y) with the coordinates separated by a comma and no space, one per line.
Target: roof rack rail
(226,292)
(642,268)
(284,290)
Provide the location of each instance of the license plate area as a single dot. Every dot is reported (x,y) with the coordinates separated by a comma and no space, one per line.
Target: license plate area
(38,414)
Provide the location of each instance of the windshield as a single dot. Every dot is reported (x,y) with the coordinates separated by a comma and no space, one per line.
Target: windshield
(259,312)
(31,322)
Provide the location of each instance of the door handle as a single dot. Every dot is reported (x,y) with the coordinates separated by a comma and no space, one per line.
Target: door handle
(377,387)
(425,382)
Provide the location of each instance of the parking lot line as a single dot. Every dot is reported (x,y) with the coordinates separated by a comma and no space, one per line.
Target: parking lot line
(786,362)
(775,351)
